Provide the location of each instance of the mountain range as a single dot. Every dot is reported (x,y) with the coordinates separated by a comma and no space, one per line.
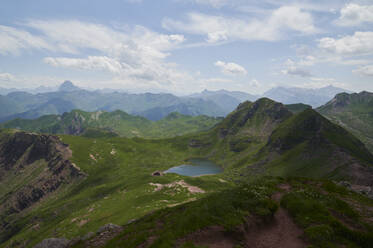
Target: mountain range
(21,104)
(116,123)
(313,97)
(353,112)
(69,189)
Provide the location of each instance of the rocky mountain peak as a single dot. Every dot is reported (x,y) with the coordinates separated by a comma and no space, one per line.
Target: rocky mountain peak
(68,86)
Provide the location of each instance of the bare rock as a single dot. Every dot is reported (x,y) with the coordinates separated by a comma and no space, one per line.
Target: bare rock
(108,228)
(157,173)
(53,243)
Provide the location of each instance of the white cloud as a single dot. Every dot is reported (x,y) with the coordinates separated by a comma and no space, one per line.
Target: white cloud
(231,68)
(216,80)
(354,14)
(360,43)
(365,70)
(6,77)
(221,28)
(90,63)
(213,3)
(13,41)
(136,56)
(254,83)
(291,68)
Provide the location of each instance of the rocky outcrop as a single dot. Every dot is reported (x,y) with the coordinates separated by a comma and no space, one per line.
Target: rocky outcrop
(53,243)
(32,166)
(98,239)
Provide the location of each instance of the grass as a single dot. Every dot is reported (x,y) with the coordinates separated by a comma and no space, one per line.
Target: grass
(116,123)
(116,189)
(228,208)
(321,209)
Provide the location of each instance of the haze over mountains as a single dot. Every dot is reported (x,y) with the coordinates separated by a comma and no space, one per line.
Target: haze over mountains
(21,104)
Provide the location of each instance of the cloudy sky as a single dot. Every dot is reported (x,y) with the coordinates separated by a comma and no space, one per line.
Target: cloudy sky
(184,46)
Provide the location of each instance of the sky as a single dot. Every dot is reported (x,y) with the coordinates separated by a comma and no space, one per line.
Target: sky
(186,46)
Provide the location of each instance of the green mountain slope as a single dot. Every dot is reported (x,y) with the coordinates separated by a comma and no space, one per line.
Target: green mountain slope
(117,187)
(264,137)
(242,133)
(118,122)
(297,107)
(307,144)
(258,140)
(32,167)
(353,112)
(8,106)
(253,215)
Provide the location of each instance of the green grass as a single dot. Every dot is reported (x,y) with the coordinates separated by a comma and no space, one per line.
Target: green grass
(323,216)
(116,189)
(117,123)
(353,112)
(229,209)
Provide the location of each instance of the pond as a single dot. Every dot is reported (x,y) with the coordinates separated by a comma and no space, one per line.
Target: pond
(197,167)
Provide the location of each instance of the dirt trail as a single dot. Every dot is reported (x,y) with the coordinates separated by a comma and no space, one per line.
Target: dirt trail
(281,233)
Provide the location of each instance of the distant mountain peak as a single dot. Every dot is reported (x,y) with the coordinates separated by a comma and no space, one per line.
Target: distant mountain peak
(68,86)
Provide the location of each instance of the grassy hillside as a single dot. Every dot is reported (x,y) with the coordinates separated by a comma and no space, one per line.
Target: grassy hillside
(265,138)
(241,134)
(322,214)
(353,112)
(118,187)
(307,144)
(118,122)
(297,107)
(241,206)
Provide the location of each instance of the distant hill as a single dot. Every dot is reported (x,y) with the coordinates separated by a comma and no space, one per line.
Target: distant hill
(69,97)
(192,106)
(68,86)
(353,112)
(149,105)
(226,100)
(297,107)
(118,123)
(313,97)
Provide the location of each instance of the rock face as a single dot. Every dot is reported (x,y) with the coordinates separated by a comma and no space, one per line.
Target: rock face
(32,166)
(53,243)
(21,150)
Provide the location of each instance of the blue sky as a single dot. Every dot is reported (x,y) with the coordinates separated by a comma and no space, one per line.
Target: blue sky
(185,46)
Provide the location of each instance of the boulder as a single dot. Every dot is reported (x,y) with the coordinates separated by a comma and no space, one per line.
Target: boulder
(157,173)
(108,227)
(53,243)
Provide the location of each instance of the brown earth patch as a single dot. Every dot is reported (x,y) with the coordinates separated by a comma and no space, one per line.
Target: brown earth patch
(192,189)
(281,233)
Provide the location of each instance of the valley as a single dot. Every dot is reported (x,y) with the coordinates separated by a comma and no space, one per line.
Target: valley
(260,146)
(186,124)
